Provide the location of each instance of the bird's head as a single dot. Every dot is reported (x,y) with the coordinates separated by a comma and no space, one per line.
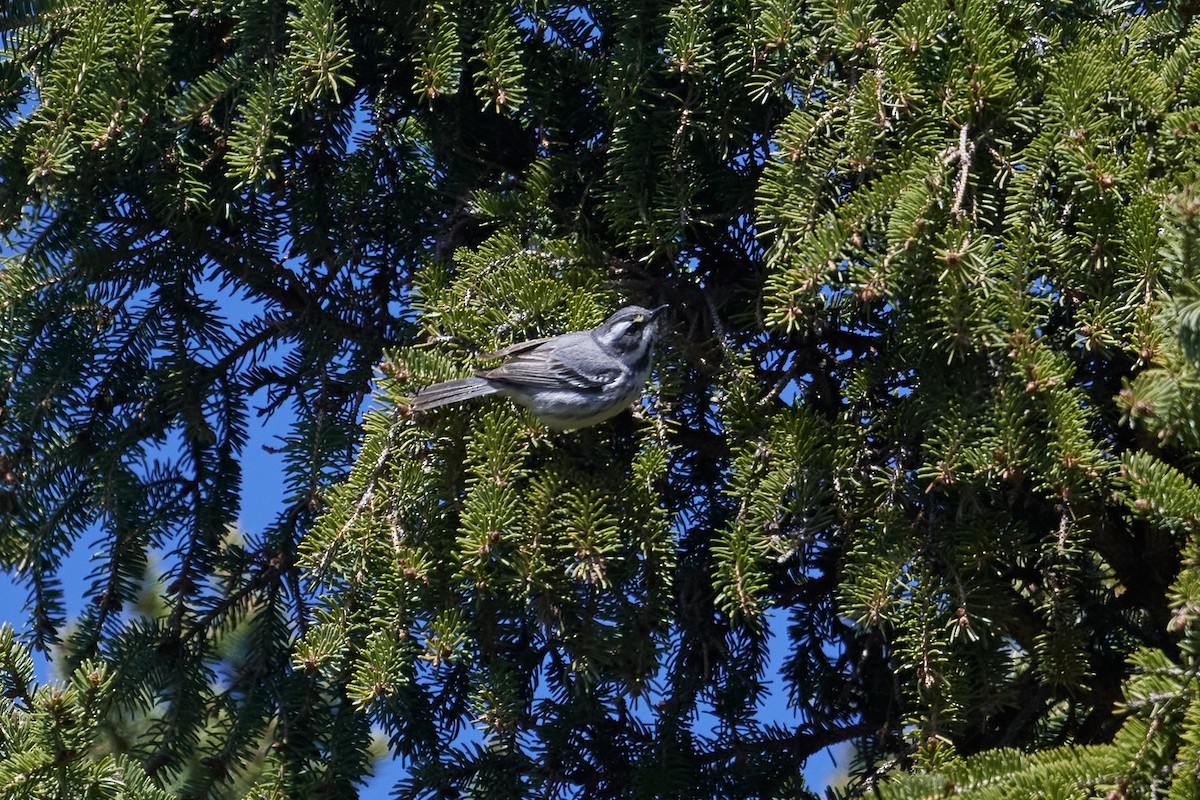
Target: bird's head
(630,331)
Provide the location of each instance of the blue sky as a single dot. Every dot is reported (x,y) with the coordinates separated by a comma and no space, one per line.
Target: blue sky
(263,491)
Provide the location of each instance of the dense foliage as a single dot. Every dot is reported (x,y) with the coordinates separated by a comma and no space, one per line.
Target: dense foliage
(927,413)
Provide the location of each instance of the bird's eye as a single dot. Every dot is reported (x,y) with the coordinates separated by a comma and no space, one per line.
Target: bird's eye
(640,318)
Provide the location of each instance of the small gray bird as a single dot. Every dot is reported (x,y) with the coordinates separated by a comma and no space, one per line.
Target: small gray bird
(569,381)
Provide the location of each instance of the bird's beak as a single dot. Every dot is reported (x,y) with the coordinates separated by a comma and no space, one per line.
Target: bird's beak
(655,313)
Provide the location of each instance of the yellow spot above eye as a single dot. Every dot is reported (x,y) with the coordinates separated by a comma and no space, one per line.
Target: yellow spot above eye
(640,318)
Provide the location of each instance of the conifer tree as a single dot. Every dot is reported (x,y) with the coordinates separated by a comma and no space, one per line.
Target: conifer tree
(926,418)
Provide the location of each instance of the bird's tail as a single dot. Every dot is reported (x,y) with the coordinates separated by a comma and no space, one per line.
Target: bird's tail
(441,394)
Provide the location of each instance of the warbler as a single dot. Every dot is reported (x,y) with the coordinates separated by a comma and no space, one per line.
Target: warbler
(569,381)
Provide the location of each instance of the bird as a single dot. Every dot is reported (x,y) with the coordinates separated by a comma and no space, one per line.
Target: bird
(569,381)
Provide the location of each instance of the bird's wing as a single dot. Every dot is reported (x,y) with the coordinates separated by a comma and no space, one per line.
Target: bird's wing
(515,349)
(537,364)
